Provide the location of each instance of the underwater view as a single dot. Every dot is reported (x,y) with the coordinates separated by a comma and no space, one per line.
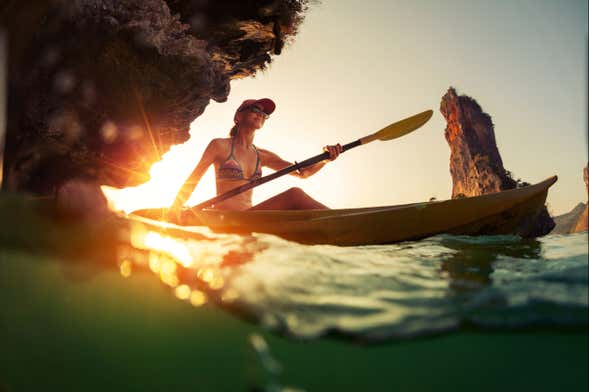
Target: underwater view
(175,309)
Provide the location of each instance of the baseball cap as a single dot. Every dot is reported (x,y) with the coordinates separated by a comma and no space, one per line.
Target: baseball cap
(267,105)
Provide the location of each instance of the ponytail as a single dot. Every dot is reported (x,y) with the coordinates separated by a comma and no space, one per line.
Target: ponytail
(233,131)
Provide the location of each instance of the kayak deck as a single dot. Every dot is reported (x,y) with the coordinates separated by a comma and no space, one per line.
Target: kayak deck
(506,212)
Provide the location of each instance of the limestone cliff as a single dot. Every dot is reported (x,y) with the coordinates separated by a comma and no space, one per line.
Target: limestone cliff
(565,222)
(582,222)
(476,166)
(99,89)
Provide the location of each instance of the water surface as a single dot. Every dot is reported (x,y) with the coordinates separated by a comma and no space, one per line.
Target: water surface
(228,313)
(417,288)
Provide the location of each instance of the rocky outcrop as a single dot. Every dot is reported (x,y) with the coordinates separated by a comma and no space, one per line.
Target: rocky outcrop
(582,223)
(99,89)
(476,166)
(565,222)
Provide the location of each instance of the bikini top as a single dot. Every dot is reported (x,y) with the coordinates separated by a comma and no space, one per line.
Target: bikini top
(231,169)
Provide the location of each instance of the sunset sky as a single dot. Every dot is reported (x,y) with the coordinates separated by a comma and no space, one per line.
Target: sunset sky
(356,66)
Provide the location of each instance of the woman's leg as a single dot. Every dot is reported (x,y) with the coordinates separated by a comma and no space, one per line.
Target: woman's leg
(292,199)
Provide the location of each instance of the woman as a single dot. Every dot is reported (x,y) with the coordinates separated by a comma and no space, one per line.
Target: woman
(237,161)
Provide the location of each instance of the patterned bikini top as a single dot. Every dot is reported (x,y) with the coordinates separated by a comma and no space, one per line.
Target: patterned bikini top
(231,169)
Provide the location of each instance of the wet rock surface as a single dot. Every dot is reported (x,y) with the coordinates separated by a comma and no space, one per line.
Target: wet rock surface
(476,166)
(99,89)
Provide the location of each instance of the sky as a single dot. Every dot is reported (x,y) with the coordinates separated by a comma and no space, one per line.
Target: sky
(357,66)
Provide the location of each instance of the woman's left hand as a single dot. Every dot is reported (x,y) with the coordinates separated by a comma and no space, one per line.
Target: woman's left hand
(333,151)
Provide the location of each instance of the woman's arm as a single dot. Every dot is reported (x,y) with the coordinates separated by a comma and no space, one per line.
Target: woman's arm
(207,159)
(273,161)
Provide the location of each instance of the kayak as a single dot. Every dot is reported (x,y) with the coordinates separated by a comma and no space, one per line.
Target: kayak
(503,212)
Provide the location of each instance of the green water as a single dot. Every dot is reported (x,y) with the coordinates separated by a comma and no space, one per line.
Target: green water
(78,326)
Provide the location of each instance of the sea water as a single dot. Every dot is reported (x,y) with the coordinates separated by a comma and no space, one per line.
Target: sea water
(401,291)
(259,313)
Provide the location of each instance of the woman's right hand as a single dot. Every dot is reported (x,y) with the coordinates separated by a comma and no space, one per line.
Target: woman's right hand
(333,151)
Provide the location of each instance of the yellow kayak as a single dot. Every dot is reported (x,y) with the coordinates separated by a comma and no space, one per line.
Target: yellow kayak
(499,213)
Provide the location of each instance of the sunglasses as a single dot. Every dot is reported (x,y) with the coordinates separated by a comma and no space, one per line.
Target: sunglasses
(257,110)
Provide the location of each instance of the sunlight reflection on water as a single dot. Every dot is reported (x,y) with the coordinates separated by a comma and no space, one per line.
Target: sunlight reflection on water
(379,292)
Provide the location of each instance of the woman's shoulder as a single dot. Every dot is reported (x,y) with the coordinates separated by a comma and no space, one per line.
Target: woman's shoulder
(221,140)
(220,143)
(217,148)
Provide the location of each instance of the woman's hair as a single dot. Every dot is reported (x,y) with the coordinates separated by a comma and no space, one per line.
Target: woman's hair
(233,131)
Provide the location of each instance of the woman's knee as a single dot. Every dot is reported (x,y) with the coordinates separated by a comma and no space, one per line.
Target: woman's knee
(296,192)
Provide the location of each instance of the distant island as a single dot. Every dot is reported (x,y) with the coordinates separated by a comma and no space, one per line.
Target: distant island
(566,222)
(576,220)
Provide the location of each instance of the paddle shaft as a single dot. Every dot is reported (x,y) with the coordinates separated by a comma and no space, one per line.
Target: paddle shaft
(390,132)
(254,183)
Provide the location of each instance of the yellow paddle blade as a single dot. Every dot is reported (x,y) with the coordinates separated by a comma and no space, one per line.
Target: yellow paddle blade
(399,128)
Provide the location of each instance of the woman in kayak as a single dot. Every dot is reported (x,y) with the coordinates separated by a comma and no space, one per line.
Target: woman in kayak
(237,161)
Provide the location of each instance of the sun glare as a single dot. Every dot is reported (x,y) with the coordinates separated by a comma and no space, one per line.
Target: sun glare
(168,175)
(166,178)
(183,265)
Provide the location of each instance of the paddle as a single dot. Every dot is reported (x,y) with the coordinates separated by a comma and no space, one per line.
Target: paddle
(390,132)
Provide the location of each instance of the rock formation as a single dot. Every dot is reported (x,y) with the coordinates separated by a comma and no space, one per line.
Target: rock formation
(565,222)
(475,163)
(99,89)
(582,222)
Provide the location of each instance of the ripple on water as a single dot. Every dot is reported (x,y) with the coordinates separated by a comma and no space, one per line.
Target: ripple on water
(416,288)
(397,291)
